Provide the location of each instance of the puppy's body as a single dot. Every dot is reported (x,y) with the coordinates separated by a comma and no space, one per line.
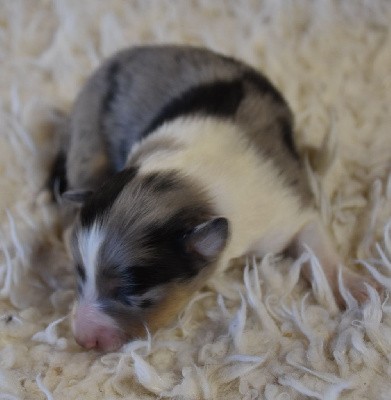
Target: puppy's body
(240,183)
(140,89)
(191,162)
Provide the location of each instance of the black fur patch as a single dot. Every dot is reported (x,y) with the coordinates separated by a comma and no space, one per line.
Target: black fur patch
(100,201)
(81,272)
(220,99)
(162,181)
(169,260)
(146,303)
(263,85)
(57,180)
(287,136)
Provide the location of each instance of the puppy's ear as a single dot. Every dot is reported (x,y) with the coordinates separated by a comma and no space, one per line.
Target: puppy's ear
(208,240)
(78,196)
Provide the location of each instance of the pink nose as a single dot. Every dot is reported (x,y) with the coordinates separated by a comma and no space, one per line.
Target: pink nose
(95,330)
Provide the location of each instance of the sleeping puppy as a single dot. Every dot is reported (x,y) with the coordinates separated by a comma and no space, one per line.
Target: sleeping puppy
(181,160)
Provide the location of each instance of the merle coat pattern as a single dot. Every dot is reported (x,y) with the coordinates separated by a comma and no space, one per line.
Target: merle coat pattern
(183,159)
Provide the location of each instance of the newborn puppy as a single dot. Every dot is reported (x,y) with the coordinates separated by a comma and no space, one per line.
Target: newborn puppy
(181,159)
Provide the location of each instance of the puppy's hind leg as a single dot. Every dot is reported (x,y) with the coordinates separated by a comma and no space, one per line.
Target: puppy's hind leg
(313,237)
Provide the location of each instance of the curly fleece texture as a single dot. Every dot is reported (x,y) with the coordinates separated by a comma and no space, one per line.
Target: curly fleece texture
(259,332)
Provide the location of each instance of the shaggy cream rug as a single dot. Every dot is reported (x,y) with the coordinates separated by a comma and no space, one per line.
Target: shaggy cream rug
(260,332)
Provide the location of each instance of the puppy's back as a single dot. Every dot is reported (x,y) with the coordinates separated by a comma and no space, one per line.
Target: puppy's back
(139,89)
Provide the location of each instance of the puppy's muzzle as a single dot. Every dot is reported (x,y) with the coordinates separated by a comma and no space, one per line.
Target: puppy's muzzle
(93,329)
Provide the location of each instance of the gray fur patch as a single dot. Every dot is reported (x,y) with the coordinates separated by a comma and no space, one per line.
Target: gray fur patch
(128,92)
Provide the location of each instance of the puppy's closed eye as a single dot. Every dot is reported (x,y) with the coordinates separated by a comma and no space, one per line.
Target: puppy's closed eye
(122,294)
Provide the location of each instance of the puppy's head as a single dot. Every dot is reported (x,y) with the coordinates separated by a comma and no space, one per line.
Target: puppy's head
(142,244)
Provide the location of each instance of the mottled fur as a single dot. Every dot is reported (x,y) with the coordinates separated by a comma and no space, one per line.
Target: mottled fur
(137,90)
(186,160)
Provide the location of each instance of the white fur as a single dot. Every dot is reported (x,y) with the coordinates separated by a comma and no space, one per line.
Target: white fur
(89,241)
(263,212)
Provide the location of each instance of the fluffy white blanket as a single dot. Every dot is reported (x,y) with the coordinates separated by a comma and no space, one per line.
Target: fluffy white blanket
(261,332)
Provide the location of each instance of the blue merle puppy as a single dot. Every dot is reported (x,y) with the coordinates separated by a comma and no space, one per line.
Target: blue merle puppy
(181,159)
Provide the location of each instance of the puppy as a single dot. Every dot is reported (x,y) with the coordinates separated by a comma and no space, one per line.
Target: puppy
(181,160)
